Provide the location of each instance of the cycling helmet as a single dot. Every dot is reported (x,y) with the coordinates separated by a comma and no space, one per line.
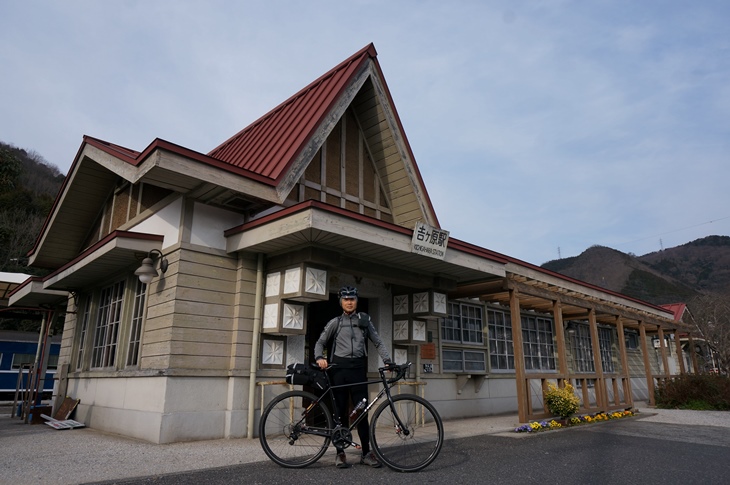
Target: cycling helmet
(347,292)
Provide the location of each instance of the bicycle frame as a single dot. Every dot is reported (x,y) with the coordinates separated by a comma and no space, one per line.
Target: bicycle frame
(384,381)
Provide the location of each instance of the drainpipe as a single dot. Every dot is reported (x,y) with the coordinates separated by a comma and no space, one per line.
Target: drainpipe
(255,344)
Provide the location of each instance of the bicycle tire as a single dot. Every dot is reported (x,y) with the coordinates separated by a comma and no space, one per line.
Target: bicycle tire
(280,429)
(422,444)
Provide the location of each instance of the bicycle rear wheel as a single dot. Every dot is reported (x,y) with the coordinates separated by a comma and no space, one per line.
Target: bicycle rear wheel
(413,446)
(292,435)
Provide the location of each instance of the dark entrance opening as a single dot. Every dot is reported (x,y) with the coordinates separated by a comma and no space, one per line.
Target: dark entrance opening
(321,312)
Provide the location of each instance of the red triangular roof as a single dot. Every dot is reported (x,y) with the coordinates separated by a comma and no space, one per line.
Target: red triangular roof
(677,310)
(270,145)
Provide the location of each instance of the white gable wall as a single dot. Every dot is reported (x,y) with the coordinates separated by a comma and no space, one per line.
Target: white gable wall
(166,221)
(209,223)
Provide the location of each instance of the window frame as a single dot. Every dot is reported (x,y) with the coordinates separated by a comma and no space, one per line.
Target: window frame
(582,348)
(107,325)
(605,345)
(535,348)
(471,328)
(500,341)
(632,339)
(464,363)
(110,325)
(136,324)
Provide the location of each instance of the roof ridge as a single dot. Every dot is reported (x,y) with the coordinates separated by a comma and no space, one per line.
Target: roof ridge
(368,49)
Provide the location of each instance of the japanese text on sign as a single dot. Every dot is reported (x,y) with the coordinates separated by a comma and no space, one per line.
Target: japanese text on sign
(429,241)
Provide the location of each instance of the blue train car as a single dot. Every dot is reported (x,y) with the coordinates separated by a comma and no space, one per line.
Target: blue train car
(17,348)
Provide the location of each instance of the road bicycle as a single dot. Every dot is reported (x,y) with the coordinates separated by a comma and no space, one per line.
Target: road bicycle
(406,431)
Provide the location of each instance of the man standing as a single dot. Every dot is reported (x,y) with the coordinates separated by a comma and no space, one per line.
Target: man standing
(350,333)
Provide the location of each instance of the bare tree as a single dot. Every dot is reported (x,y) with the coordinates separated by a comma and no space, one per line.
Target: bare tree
(711,317)
(18,232)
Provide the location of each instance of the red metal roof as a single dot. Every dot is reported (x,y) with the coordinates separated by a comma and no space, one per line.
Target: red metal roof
(677,309)
(269,145)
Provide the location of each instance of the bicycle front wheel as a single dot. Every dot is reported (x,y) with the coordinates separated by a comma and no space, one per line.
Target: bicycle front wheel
(293,432)
(415,444)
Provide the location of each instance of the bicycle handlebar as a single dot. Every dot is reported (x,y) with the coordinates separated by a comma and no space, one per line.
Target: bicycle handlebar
(401,370)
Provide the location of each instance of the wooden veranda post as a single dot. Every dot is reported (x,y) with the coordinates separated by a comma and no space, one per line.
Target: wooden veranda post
(626,375)
(663,349)
(522,397)
(601,391)
(680,357)
(647,365)
(560,335)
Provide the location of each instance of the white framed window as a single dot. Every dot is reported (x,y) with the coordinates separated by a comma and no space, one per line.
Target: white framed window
(501,345)
(135,334)
(106,329)
(464,360)
(632,339)
(605,344)
(83,329)
(463,324)
(538,343)
(582,347)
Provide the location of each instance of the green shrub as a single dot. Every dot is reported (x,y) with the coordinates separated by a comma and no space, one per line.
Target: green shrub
(703,391)
(561,401)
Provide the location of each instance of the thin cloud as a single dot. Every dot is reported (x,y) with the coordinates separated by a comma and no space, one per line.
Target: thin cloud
(536,125)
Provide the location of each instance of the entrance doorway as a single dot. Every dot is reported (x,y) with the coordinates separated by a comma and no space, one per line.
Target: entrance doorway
(318,314)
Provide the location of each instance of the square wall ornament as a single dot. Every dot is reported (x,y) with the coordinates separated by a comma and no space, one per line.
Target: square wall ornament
(273,284)
(429,303)
(400,355)
(284,318)
(292,317)
(400,331)
(409,331)
(305,283)
(400,305)
(418,331)
(273,352)
(271,317)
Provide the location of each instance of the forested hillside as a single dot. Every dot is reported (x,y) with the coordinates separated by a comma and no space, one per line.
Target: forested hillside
(673,275)
(28,187)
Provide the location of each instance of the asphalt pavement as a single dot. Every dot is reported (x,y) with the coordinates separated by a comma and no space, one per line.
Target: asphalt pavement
(41,454)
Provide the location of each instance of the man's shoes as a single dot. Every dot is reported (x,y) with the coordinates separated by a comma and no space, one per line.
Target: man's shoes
(370,460)
(341,460)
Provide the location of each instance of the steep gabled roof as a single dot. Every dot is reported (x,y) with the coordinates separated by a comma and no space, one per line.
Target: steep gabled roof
(677,310)
(263,161)
(269,145)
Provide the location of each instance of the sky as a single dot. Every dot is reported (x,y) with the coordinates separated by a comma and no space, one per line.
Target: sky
(540,128)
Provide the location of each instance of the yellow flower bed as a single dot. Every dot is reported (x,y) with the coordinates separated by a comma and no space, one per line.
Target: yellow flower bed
(535,426)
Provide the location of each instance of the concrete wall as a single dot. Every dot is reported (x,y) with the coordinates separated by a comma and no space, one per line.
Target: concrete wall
(163,409)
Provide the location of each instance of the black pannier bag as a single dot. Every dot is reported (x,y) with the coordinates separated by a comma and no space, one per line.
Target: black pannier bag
(303,375)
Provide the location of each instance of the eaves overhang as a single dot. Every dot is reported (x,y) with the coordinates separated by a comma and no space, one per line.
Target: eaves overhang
(8,283)
(31,294)
(117,251)
(358,236)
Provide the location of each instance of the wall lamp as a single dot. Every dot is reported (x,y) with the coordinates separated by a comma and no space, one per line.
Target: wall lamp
(147,271)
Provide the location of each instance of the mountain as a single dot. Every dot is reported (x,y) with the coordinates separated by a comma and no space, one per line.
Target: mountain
(28,187)
(670,276)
